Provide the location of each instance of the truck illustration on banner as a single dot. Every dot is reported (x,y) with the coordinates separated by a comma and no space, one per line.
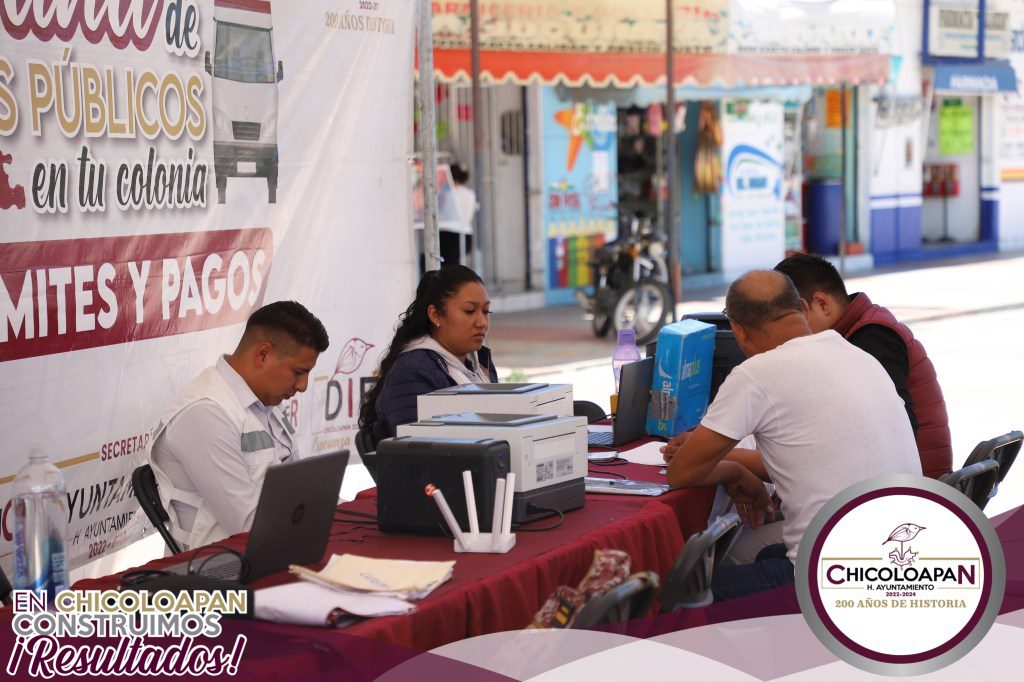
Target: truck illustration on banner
(244,92)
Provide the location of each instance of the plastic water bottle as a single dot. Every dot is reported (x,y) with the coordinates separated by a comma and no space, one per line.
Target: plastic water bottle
(40,528)
(625,353)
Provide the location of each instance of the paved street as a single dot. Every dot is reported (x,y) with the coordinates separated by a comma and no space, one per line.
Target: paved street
(968,314)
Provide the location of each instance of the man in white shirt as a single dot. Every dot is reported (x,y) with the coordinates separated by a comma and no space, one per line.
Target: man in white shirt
(220,433)
(824,415)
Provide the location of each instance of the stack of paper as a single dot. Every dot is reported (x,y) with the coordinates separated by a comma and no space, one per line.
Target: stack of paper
(648,453)
(303,603)
(351,586)
(379,577)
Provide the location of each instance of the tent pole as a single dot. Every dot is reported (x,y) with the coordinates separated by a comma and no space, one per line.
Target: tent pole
(428,138)
(672,223)
(844,180)
(478,135)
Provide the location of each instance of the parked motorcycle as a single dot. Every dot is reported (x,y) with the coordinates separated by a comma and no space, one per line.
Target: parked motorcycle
(631,284)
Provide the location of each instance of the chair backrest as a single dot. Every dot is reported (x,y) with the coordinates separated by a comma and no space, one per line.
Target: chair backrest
(1002,449)
(364,441)
(976,481)
(632,598)
(585,408)
(144,483)
(366,446)
(5,588)
(688,585)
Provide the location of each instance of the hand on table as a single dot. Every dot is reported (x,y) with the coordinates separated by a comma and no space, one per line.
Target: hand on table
(752,500)
(669,449)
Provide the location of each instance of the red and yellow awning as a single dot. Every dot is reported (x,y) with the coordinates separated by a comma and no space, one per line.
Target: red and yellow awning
(719,43)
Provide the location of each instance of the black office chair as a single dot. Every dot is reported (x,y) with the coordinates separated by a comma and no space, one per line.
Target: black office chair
(688,585)
(364,442)
(632,598)
(144,483)
(976,481)
(1003,449)
(366,446)
(5,588)
(592,411)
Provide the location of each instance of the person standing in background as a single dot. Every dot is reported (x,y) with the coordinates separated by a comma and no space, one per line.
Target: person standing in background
(465,202)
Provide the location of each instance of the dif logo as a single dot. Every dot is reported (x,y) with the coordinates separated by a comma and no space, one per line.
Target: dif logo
(337,393)
(900,575)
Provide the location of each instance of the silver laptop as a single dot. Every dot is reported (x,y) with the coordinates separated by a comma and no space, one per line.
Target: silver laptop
(292,522)
(634,397)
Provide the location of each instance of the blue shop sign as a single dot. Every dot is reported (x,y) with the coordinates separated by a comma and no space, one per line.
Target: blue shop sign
(977,79)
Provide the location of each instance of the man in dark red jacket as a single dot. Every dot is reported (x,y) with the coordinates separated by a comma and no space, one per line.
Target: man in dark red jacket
(876,331)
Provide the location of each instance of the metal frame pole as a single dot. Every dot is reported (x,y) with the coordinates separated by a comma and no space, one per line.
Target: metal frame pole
(843,176)
(479,132)
(672,219)
(428,138)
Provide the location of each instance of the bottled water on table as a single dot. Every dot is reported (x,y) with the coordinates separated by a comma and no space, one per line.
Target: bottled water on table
(625,353)
(39,502)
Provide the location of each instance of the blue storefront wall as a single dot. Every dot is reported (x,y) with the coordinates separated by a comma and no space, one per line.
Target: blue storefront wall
(700,243)
(895,227)
(580,165)
(896,230)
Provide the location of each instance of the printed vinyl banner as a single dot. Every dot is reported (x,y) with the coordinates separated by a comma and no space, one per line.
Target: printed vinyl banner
(167,167)
(753,208)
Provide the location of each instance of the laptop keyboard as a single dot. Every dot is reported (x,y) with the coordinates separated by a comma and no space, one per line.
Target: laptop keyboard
(600,438)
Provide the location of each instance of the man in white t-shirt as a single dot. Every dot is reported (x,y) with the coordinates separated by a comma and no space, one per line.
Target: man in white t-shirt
(824,414)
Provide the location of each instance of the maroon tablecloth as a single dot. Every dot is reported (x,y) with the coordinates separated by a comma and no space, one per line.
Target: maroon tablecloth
(691,505)
(488,592)
(494,592)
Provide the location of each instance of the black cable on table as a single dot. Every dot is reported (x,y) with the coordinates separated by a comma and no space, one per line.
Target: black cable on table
(610,473)
(561,518)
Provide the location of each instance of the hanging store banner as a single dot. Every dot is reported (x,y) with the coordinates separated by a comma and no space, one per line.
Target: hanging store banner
(753,204)
(580,186)
(167,167)
(622,42)
(583,27)
(811,27)
(953,29)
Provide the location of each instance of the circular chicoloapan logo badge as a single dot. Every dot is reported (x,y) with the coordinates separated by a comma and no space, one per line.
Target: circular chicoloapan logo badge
(900,575)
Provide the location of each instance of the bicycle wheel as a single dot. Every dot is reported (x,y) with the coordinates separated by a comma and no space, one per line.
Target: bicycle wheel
(646,307)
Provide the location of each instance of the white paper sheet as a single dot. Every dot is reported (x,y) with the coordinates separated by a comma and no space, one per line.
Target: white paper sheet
(304,603)
(386,577)
(599,428)
(648,453)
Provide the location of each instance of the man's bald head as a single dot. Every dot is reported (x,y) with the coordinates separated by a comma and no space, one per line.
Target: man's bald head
(761,297)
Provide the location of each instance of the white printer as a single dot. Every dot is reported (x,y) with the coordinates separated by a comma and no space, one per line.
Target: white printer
(553,399)
(547,453)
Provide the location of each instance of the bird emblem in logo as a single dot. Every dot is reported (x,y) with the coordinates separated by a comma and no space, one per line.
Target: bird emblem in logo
(352,355)
(902,534)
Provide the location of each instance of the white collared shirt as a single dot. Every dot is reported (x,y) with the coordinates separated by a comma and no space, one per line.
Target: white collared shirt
(200,453)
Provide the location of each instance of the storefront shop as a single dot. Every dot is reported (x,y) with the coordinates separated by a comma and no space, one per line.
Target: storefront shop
(1010,149)
(591,94)
(957,141)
